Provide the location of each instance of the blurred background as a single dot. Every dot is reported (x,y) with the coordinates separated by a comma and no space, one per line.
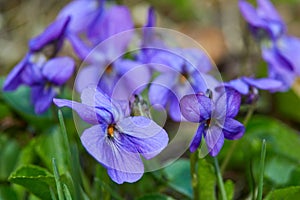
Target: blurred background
(216,25)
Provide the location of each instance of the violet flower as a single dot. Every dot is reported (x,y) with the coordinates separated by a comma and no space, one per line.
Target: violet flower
(249,86)
(215,118)
(40,69)
(279,50)
(117,140)
(85,15)
(182,73)
(113,74)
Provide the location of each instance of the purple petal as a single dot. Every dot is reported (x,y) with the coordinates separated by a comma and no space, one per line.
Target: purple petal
(108,110)
(267,10)
(58,70)
(42,98)
(86,113)
(167,61)
(239,85)
(250,14)
(196,107)
(149,138)
(133,78)
(199,82)
(263,83)
(53,32)
(279,69)
(228,104)
(88,76)
(174,108)
(196,60)
(111,152)
(289,48)
(121,177)
(32,75)
(115,20)
(82,13)
(151,22)
(214,139)
(160,88)
(14,80)
(233,129)
(197,138)
(80,48)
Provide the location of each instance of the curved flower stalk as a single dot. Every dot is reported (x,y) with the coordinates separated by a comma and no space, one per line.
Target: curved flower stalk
(279,50)
(215,118)
(40,69)
(182,72)
(116,139)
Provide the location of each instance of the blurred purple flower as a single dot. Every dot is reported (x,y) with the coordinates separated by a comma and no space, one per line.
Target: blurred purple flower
(84,14)
(113,20)
(182,73)
(248,86)
(215,118)
(113,74)
(117,140)
(40,69)
(278,49)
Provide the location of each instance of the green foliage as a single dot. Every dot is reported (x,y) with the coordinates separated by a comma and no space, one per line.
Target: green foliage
(206,180)
(290,193)
(286,104)
(155,197)
(179,178)
(229,187)
(50,145)
(35,179)
(9,152)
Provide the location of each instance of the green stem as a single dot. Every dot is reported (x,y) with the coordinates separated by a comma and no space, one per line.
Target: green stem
(220,179)
(261,170)
(57,180)
(235,142)
(193,161)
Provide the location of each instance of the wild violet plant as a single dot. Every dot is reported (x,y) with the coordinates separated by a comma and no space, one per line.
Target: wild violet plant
(117,86)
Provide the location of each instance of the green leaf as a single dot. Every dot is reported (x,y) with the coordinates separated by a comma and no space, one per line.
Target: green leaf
(155,197)
(50,145)
(179,178)
(279,170)
(9,152)
(35,179)
(7,193)
(292,100)
(57,181)
(206,180)
(282,140)
(67,193)
(229,188)
(290,193)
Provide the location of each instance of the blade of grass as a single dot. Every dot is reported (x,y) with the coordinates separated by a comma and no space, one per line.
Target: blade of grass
(261,170)
(65,137)
(53,196)
(57,180)
(67,192)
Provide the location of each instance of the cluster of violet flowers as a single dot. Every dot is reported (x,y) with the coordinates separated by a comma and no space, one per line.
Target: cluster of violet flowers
(110,84)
